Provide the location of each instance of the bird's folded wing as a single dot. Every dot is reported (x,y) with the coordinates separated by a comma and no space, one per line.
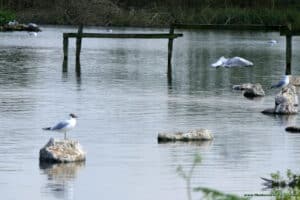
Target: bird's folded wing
(60,125)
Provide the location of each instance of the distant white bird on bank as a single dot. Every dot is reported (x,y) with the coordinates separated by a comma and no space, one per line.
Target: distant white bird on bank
(33,34)
(282,83)
(64,126)
(32,25)
(272,42)
(13,23)
(232,62)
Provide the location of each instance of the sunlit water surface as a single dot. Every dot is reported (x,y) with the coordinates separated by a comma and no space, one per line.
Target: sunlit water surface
(123,101)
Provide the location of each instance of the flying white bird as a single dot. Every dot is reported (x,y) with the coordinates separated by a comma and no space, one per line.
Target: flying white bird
(64,126)
(232,62)
(282,83)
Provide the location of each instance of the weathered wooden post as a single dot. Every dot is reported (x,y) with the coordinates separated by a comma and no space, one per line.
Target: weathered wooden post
(65,49)
(288,55)
(78,47)
(288,58)
(170,50)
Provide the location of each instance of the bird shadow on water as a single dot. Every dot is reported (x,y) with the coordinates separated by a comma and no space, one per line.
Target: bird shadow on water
(60,178)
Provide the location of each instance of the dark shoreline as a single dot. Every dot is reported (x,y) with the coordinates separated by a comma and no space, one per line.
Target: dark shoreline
(160,18)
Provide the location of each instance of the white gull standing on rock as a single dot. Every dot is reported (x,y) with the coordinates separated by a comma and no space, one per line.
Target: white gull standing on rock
(232,62)
(282,83)
(64,126)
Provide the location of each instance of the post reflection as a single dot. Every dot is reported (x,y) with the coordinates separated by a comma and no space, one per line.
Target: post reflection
(61,178)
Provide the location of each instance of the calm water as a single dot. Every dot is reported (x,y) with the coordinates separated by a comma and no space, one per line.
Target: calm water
(123,101)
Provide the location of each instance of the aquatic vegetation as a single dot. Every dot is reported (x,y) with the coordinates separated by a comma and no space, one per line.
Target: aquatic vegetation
(211,194)
(287,188)
(208,193)
(280,188)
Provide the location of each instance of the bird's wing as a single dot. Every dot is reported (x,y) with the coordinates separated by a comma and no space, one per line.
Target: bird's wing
(279,84)
(60,125)
(220,62)
(238,61)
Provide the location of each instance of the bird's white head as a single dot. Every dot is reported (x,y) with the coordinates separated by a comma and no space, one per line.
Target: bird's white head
(287,77)
(73,115)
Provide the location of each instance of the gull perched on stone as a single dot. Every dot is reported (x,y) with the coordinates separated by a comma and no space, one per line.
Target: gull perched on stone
(232,62)
(282,83)
(64,126)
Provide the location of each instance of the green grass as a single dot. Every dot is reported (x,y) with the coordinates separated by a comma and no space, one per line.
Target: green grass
(6,16)
(208,193)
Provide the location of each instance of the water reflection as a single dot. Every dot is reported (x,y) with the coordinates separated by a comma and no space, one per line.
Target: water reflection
(78,68)
(284,120)
(123,91)
(14,69)
(203,145)
(60,178)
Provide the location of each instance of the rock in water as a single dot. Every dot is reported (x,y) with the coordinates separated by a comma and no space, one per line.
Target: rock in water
(295,80)
(250,90)
(243,86)
(286,102)
(293,129)
(193,135)
(62,151)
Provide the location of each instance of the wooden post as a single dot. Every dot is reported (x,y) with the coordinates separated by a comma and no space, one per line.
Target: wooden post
(65,49)
(78,47)
(288,58)
(170,49)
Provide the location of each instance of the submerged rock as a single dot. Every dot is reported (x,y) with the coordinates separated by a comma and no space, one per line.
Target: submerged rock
(62,151)
(250,90)
(193,135)
(286,102)
(293,129)
(242,86)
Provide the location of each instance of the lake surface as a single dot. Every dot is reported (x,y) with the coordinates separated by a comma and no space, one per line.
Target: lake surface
(123,100)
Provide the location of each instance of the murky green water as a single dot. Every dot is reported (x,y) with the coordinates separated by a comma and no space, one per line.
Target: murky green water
(123,100)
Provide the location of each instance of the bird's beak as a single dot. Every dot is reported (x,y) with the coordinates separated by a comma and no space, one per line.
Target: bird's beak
(73,115)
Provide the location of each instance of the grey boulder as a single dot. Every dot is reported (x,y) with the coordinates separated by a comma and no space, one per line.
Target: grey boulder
(295,80)
(62,151)
(193,135)
(286,102)
(250,90)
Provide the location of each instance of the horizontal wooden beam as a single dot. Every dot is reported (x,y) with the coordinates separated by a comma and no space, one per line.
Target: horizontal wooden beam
(125,35)
(291,33)
(229,27)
